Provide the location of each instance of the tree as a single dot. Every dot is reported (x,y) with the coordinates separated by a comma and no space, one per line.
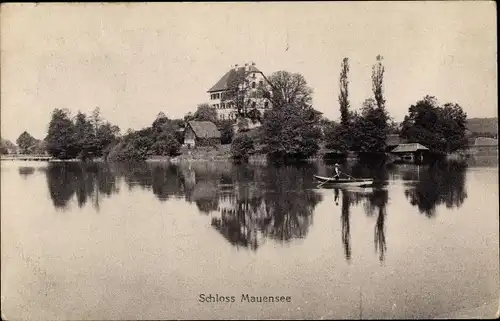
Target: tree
(454,126)
(60,136)
(242,147)
(161,120)
(237,91)
(39,147)
(344,92)
(288,89)
(188,117)
(378,82)
(6,146)
(85,139)
(25,141)
(106,136)
(205,112)
(242,96)
(441,129)
(291,128)
(254,115)
(96,119)
(226,131)
(372,133)
(291,132)
(243,124)
(166,144)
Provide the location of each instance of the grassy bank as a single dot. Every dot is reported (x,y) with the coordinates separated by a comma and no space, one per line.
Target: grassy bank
(199,154)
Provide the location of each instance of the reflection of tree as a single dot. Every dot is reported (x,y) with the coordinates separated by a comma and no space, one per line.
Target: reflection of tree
(85,180)
(271,202)
(163,179)
(346,226)
(377,201)
(366,167)
(373,202)
(289,202)
(236,227)
(440,183)
(61,181)
(24,171)
(202,183)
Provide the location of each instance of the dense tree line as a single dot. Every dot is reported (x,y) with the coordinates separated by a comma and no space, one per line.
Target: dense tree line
(441,128)
(162,138)
(6,146)
(364,132)
(81,137)
(30,145)
(292,128)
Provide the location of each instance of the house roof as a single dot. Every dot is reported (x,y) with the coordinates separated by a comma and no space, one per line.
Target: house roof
(222,83)
(408,148)
(204,129)
(485,141)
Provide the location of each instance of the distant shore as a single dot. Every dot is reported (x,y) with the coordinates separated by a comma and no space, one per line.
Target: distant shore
(222,153)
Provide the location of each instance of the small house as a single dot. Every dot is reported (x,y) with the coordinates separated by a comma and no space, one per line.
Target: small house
(410,152)
(201,133)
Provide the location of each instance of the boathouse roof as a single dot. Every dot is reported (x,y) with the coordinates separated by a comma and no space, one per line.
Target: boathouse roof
(409,148)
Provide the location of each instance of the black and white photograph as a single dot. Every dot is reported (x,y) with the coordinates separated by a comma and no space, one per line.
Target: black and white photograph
(249,160)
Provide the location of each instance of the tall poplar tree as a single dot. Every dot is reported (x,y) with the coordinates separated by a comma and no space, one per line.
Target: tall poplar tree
(344,92)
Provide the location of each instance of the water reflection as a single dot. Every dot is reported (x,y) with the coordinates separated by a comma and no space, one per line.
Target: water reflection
(274,203)
(373,201)
(439,183)
(25,171)
(87,181)
(250,204)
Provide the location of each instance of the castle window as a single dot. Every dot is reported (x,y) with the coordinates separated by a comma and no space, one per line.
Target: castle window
(261,83)
(266,104)
(253,84)
(253,104)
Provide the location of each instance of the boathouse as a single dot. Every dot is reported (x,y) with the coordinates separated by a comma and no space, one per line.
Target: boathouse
(410,152)
(201,133)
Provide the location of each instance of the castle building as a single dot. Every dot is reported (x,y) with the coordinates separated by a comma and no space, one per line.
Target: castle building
(253,80)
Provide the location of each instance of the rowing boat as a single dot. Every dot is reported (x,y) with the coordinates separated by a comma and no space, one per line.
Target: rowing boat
(344,181)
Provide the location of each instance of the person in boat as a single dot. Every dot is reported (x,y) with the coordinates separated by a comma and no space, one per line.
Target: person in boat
(337,171)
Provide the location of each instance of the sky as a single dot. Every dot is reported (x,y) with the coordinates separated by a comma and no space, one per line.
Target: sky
(137,59)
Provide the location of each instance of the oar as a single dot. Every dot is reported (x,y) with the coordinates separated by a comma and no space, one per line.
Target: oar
(348,175)
(322,183)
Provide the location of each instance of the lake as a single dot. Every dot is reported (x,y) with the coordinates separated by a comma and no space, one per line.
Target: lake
(159,241)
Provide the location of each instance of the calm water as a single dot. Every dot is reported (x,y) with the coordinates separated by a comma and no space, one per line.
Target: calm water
(143,242)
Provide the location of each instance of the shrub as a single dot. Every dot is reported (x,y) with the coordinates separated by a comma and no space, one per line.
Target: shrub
(242,147)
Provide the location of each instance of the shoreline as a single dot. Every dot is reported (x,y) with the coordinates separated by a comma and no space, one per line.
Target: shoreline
(203,156)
